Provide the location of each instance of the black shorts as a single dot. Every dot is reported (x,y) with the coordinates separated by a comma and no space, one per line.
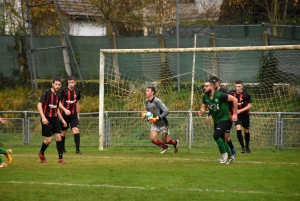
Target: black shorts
(221,128)
(71,120)
(53,127)
(244,121)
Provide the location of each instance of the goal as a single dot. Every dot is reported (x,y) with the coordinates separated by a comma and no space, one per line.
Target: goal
(270,73)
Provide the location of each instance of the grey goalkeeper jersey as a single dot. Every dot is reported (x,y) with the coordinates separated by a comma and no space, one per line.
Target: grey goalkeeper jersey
(158,108)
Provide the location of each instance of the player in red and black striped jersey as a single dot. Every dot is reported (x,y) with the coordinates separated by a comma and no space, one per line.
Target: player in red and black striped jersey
(70,111)
(244,105)
(48,107)
(221,89)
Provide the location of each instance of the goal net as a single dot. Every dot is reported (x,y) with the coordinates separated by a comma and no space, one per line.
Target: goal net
(270,73)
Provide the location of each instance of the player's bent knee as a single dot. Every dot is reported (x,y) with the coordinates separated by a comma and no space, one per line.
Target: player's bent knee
(75,130)
(47,141)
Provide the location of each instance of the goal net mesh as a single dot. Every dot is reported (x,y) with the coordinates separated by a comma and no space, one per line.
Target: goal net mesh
(271,76)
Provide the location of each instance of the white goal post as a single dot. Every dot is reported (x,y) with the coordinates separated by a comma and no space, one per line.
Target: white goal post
(226,64)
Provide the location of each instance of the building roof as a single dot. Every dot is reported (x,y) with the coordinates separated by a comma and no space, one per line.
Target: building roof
(78,8)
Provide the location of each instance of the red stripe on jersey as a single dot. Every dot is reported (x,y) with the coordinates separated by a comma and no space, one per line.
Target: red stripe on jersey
(74,104)
(45,104)
(69,98)
(240,100)
(51,102)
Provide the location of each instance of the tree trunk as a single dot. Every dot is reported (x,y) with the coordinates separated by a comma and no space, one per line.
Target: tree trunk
(108,27)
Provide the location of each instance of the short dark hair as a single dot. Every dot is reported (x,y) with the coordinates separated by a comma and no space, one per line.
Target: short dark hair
(238,82)
(71,78)
(152,89)
(212,82)
(214,78)
(56,79)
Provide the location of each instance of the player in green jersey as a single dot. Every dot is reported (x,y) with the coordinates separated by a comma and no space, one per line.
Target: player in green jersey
(7,152)
(217,104)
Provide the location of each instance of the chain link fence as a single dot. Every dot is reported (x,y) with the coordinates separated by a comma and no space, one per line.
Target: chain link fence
(268,130)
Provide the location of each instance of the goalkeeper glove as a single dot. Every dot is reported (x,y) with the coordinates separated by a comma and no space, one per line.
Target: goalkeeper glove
(143,115)
(154,119)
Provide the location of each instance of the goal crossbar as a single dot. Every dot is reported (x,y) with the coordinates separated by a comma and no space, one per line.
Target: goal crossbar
(204,49)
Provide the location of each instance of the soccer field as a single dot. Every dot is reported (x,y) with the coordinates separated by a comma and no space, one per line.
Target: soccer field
(144,174)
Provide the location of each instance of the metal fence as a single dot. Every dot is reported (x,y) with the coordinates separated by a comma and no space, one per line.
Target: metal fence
(268,130)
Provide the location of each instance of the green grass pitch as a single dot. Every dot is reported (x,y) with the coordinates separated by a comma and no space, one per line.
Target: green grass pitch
(141,173)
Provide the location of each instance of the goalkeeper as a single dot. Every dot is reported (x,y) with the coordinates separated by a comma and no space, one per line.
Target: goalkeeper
(159,122)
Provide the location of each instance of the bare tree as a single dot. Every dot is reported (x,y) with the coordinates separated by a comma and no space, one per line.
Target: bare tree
(276,12)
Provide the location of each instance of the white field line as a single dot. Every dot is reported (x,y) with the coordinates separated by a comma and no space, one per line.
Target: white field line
(165,158)
(144,188)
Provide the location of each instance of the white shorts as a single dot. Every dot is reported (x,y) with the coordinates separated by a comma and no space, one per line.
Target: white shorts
(158,129)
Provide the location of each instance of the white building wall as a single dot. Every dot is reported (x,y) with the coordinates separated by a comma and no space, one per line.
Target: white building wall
(87,29)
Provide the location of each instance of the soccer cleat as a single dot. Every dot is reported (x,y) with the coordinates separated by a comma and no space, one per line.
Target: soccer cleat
(176,146)
(230,159)
(233,151)
(224,157)
(248,150)
(244,150)
(219,160)
(42,158)
(165,150)
(9,156)
(62,161)
(78,152)
(3,165)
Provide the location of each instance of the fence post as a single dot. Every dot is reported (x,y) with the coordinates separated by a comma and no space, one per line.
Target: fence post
(115,58)
(213,57)
(25,129)
(265,41)
(65,54)
(279,131)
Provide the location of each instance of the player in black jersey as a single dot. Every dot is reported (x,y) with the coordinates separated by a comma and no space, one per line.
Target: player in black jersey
(70,112)
(221,89)
(48,107)
(244,105)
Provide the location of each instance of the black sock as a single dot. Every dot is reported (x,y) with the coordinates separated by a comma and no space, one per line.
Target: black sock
(43,148)
(77,141)
(59,148)
(230,144)
(240,138)
(247,139)
(63,140)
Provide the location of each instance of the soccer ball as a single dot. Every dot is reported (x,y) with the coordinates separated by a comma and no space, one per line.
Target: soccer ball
(148,115)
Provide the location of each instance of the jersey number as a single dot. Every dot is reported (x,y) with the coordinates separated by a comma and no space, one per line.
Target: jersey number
(214,107)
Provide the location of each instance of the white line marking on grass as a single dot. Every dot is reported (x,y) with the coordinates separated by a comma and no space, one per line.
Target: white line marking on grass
(169,158)
(144,188)
(68,184)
